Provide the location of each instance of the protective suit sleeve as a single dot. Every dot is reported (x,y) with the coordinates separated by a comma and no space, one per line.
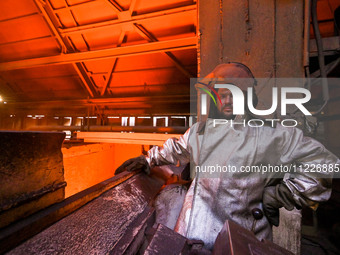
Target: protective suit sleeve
(172,151)
(307,186)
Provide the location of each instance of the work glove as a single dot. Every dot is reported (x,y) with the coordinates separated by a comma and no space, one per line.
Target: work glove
(134,164)
(275,197)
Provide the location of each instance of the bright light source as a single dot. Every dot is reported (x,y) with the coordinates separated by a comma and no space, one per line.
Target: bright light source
(1,99)
(68,134)
(132,121)
(156,118)
(124,121)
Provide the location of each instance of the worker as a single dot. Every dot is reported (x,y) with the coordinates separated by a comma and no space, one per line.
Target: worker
(214,198)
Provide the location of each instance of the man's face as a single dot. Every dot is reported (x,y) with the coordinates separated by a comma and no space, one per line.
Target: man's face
(226,109)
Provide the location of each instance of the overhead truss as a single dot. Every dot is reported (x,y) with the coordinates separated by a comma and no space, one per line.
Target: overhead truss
(127,20)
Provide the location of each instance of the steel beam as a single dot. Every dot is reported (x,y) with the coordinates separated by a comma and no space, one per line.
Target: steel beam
(117,129)
(331,46)
(50,24)
(101,101)
(26,40)
(74,6)
(109,78)
(132,6)
(140,49)
(50,11)
(66,47)
(130,138)
(149,37)
(115,6)
(153,16)
(86,81)
(80,68)
(19,17)
(68,9)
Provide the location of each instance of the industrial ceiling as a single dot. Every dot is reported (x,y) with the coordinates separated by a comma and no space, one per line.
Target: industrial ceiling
(115,56)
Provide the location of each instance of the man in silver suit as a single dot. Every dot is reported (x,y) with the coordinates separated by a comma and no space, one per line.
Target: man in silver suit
(213,199)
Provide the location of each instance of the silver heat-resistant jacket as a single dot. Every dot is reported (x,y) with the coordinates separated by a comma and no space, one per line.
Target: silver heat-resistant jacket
(214,198)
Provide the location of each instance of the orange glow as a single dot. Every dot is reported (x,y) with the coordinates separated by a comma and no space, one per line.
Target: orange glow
(87,165)
(59,29)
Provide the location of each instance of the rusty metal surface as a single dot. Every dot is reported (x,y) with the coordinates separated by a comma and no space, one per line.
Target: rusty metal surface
(209,36)
(30,196)
(234,239)
(133,238)
(288,234)
(21,230)
(97,226)
(29,154)
(31,166)
(166,241)
(289,45)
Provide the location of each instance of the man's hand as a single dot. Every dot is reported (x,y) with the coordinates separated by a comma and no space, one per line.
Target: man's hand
(275,197)
(134,164)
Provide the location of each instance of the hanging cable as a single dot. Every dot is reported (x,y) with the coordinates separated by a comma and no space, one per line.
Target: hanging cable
(321,57)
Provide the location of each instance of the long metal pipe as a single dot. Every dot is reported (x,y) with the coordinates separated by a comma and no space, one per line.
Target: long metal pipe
(137,129)
(321,56)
